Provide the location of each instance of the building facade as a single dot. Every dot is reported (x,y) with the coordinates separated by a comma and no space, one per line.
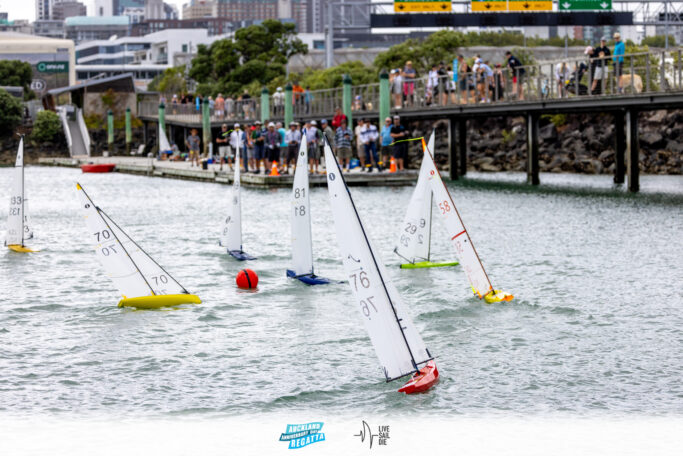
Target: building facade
(62,10)
(198,9)
(88,28)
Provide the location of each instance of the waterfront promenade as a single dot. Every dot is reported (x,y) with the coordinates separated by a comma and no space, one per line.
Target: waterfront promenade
(183,170)
(649,81)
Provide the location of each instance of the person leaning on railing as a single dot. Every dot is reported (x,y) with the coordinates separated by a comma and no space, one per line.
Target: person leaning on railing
(619,51)
(602,53)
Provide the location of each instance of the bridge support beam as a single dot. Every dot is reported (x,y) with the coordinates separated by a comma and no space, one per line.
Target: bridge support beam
(619,146)
(462,146)
(532,169)
(452,149)
(633,150)
(145,133)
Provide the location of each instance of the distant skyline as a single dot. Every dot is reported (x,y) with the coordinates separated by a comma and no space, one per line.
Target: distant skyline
(26,9)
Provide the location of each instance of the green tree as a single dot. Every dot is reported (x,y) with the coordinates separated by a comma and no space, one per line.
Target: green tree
(255,56)
(10,113)
(172,80)
(46,127)
(658,41)
(17,73)
(332,77)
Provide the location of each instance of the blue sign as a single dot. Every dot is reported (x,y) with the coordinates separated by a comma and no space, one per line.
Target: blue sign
(301,435)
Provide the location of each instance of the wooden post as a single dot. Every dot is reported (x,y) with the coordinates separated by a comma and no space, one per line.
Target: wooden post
(462,146)
(129,132)
(110,132)
(633,150)
(206,126)
(619,147)
(453,148)
(532,149)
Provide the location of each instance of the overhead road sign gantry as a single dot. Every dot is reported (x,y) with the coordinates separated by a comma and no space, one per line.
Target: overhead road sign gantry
(515,19)
(492,6)
(422,6)
(530,6)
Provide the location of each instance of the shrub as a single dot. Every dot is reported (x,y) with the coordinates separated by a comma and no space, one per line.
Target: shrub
(10,113)
(46,127)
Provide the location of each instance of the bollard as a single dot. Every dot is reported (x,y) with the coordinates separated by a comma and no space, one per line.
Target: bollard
(384,97)
(206,125)
(129,133)
(346,100)
(110,131)
(265,105)
(289,115)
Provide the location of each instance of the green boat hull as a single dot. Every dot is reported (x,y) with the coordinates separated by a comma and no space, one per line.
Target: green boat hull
(428,264)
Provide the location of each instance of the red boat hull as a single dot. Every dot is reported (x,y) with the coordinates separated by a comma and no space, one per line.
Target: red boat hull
(423,380)
(98,168)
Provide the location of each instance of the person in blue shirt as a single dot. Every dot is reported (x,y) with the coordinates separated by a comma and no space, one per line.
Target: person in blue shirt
(619,51)
(283,145)
(386,149)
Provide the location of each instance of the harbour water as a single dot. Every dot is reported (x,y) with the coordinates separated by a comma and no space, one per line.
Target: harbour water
(595,327)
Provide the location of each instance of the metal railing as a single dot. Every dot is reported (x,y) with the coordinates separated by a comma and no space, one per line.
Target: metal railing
(643,72)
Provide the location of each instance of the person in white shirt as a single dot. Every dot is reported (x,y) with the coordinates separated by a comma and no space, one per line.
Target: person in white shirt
(432,84)
(562,76)
(279,102)
(293,139)
(313,138)
(238,141)
(369,135)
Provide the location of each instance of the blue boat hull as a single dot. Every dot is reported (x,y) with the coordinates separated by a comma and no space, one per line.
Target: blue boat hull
(308,279)
(241,255)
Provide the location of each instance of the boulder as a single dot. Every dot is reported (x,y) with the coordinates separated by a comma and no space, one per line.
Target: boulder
(675,146)
(652,140)
(548,133)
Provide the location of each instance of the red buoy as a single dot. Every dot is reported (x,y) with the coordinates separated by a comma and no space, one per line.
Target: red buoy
(246,278)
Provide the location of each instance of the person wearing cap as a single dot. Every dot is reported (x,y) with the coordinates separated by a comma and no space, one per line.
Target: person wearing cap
(518,73)
(223,148)
(272,142)
(238,142)
(601,70)
(360,147)
(619,51)
(432,86)
(278,102)
(343,138)
(258,140)
(399,133)
(283,145)
(313,136)
(369,135)
(293,139)
(386,148)
(328,133)
(409,75)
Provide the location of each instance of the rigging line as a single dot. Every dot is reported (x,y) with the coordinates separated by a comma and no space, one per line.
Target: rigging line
(463,225)
(143,251)
(367,241)
(409,261)
(100,212)
(431,208)
(23,214)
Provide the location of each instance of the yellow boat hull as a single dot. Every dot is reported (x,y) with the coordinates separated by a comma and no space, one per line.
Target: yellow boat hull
(497,296)
(20,248)
(158,301)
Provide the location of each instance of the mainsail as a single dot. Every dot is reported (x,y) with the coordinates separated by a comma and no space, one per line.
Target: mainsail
(231,237)
(413,243)
(464,249)
(131,269)
(302,244)
(17,231)
(398,345)
(164,145)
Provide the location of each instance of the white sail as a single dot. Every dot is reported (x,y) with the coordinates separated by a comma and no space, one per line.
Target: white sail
(464,250)
(302,244)
(28,232)
(17,207)
(133,272)
(398,345)
(164,145)
(413,243)
(231,237)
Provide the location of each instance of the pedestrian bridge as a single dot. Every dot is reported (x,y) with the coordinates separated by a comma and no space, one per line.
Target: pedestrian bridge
(643,81)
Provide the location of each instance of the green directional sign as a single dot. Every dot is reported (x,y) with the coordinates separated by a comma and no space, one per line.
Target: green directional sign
(591,5)
(52,67)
